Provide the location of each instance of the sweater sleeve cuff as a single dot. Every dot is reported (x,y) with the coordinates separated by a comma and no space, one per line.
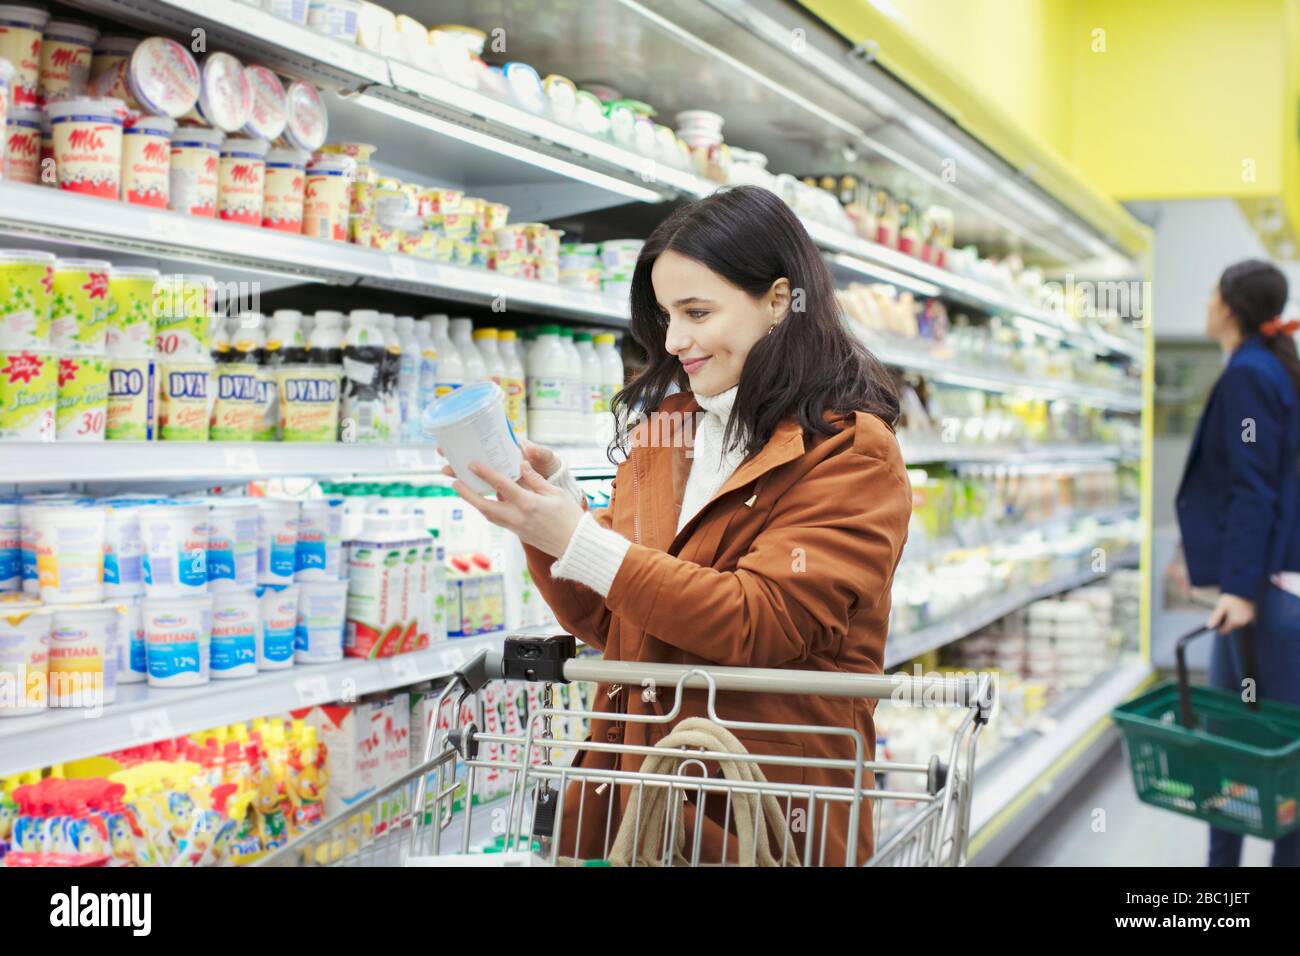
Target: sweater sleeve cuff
(592,557)
(563,479)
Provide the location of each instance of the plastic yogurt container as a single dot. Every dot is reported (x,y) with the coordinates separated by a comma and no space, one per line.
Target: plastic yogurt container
(20,43)
(309,402)
(66,51)
(279,612)
(327,198)
(175,540)
(470,424)
(225,97)
(69,546)
(183,308)
(26,291)
(81,413)
(132,667)
(163,77)
(232,544)
(306,123)
(123,552)
(319,552)
(277,540)
(322,615)
(24,655)
(334,18)
(268,109)
(178,638)
(195,174)
(130,318)
(132,413)
(109,51)
(29,393)
(87,136)
(146,160)
(11,546)
(242,180)
(282,201)
(184,400)
(83,655)
(80,305)
(236,624)
(22,149)
(236,411)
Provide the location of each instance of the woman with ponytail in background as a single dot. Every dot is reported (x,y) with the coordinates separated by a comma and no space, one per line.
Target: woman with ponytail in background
(1239,501)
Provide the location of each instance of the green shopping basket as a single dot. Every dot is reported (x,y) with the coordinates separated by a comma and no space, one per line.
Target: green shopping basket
(1206,754)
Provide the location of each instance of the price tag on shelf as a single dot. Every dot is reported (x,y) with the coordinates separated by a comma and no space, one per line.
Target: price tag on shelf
(312,690)
(400,670)
(452,658)
(403,267)
(169,228)
(409,459)
(150,725)
(241,459)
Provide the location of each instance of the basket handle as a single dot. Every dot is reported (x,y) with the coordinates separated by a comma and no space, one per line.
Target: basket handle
(1247,636)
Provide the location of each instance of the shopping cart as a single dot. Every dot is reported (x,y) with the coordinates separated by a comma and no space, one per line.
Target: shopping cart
(1222,757)
(430,815)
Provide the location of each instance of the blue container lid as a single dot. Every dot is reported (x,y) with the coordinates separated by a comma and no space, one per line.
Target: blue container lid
(461,404)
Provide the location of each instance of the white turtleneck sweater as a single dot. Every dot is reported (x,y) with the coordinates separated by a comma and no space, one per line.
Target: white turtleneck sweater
(594,553)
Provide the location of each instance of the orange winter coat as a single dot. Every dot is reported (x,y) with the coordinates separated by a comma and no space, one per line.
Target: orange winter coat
(789,565)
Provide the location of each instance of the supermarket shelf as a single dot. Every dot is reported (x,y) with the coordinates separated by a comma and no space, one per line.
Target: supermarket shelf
(217,461)
(987,537)
(39,213)
(909,646)
(919,451)
(142,714)
(1021,770)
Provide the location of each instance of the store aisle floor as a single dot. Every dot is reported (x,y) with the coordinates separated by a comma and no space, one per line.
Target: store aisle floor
(1136,834)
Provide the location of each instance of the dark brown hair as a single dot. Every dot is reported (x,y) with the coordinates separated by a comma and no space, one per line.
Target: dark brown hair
(1255,292)
(809,365)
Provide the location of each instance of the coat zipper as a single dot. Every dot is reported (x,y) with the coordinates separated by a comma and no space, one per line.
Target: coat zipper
(636,504)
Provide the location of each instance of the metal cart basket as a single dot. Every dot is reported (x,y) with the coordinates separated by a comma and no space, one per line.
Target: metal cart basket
(431,816)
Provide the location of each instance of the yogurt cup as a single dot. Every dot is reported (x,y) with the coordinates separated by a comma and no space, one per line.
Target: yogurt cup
(132,666)
(236,410)
(184,400)
(306,122)
(470,424)
(66,50)
(29,394)
(268,109)
(242,180)
(318,555)
(80,306)
(20,43)
(69,545)
(334,18)
(146,160)
(83,655)
(82,410)
(225,96)
(620,255)
(26,290)
(130,317)
(195,171)
(183,316)
(178,639)
(279,612)
(322,614)
(22,149)
(123,552)
(163,77)
(232,544)
(88,145)
(175,549)
(282,197)
(11,546)
(236,624)
(327,198)
(132,399)
(24,655)
(109,51)
(309,402)
(277,540)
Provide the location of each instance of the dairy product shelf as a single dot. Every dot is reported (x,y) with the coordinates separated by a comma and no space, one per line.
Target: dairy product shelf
(985,537)
(142,714)
(908,646)
(920,450)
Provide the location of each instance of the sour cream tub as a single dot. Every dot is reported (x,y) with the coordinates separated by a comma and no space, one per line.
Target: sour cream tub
(195,175)
(236,624)
(283,190)
(277,540)
(185,400)
(132,399)
(29,393)
(69,544)
(83,655)
(225,97)
(88,145)
(80,305)
(319,552)
(66,51)
(24,655)
(327,198)
(178,640)
(470,424)
(242,180)
(109,51)
(322,613)
(163,77)
(22,150)
(175,549)
(20,43)
(123,552)
(309,402)
(268,110)
(82,411)
(275,646)
(306,123)
(146,161)
(11,546)
(132,667)
(232,544)
(130,322)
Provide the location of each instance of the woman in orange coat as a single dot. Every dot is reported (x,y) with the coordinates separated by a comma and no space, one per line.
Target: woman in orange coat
(757,519)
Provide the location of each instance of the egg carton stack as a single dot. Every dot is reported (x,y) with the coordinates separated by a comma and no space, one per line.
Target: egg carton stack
(1071,639)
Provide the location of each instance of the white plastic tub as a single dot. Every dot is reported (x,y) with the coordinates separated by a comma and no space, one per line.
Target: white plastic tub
(70,553)
(279,623)
(175,549)
(470,424)
(83,655)
(232,544)
(132,666)
(322,612)
(277,540)
(24,656)
(319,552)
(123,552)
(236,625)
(11,546)
(178,640)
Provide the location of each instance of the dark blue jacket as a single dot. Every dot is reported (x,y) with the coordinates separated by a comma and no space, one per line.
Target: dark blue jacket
(1239,501)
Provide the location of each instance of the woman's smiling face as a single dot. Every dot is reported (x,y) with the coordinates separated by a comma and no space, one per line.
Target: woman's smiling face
(712,324)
